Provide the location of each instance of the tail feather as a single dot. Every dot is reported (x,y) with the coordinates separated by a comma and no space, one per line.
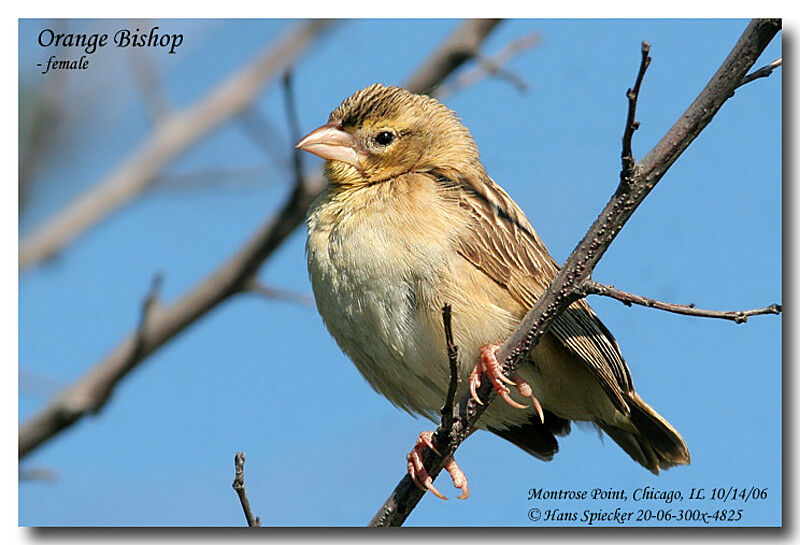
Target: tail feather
(653,442)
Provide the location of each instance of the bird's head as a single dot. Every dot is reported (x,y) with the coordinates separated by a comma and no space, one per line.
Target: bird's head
(382,132)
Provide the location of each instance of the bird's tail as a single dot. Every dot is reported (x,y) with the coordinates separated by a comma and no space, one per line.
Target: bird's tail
(652,442)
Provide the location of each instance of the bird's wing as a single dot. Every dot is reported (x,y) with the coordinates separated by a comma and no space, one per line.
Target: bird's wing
(503,244)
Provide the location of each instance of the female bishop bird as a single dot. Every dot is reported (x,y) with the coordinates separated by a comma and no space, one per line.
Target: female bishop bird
(409,221)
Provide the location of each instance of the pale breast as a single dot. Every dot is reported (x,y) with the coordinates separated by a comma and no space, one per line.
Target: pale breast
(382,265)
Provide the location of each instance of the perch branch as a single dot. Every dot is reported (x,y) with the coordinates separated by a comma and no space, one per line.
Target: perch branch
(567,287)
(170,138)
(591,287)
(238,485)
(230,278)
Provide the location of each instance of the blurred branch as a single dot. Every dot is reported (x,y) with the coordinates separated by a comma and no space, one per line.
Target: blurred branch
(37,132)
(43,474)
(494,66)
(238,485)
(461,46)
(245,177)
(230,278)
(167,141)
(569,284)
(145,75)
(264,133)
(279,294)
(739,316)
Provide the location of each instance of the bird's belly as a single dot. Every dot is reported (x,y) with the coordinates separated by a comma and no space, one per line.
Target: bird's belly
(369,304)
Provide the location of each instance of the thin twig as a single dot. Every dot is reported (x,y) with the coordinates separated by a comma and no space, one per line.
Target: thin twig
(42,474)
(738,316)
(294,125)
(567,286)
(762,72)
(280,294)
(246,178)
(87,395)
(145,74)
(238,485)
(448,409)
(167,141)
(493,66)
(630,123)
(264,133)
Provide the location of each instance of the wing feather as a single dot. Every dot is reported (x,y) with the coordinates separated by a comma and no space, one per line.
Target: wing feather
(503,244)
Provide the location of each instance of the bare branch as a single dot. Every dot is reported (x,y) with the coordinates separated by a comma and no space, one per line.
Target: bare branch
(762,72)
(294,126)
(280,294)
(567,287)
(43,474)
(167,141)
(238,485)
(738,316)
(631,124)
(449,407)
(145,74)
(493,66)
(166,322)
(265,134)
(462,45)
(243,178)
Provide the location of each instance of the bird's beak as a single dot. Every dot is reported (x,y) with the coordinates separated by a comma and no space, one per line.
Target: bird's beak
(332,143)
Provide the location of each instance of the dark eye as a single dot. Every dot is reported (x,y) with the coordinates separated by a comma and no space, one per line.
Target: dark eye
(384,138)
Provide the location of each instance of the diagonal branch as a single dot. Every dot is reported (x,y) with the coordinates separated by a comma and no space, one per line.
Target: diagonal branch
(170,138)
(568,285)
(230,278)
(591,287)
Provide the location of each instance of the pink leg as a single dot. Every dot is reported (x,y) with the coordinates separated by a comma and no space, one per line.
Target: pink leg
(419,474)
(489,366)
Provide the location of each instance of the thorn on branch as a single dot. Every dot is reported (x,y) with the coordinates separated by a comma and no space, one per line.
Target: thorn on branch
(631,125)
(238,486)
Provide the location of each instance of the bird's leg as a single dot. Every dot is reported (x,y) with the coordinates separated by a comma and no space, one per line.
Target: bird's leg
(420,476)
(488,365)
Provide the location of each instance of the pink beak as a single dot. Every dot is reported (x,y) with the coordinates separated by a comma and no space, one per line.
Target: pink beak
(332,143)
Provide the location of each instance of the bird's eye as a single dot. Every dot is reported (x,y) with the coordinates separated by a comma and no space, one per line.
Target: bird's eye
(384,138)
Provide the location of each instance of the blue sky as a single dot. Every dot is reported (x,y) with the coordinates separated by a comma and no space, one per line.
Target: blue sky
(265,377)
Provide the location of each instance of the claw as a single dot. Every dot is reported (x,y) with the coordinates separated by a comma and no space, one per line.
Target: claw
(420,476)
(429,485)
(507,397)
(474,383)
(459,479)
(525,389)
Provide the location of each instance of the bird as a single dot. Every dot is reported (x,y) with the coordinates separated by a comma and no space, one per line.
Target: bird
(409,221)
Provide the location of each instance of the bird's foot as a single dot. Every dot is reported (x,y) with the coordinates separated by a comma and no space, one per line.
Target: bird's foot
(489,366)
(419,474)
